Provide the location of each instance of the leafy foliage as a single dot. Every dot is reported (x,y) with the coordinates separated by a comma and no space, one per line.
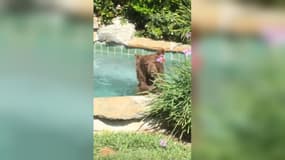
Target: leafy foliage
(167,20)
(140,11)
(157,19)
(183,18)
(171,108)
(170,25)
(107,10)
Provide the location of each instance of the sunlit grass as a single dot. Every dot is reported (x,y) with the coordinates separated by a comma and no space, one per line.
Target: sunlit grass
(139,146)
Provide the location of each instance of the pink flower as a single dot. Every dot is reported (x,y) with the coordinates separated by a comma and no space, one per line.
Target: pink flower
(187,52)
(163,143)
(160,59)
(274,36)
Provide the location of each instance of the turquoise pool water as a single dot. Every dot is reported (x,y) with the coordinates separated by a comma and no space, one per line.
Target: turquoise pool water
(115,72)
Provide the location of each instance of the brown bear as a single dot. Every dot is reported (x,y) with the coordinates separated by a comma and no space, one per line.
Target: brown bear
(147,68)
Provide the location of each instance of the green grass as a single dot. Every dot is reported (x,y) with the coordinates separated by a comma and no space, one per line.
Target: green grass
(139,146)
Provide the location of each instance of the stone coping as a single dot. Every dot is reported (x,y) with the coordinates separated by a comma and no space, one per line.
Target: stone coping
(150,44)
(120,108)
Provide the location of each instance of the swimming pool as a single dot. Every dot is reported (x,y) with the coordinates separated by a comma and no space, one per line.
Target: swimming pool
(115,71)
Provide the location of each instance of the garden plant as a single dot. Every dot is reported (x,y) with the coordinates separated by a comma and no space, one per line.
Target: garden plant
(156,19)
(172,104)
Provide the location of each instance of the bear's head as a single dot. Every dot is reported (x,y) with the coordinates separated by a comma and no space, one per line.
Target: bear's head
(151,69)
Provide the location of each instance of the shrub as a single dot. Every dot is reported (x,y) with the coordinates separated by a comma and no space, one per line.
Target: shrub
(171,108)
(106,10)
(168,25)
(168,20)
(157,19)
(183,19)
(162,26)
(140,11)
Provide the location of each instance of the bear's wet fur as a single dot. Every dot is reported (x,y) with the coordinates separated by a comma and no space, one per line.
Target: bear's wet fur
(147,69)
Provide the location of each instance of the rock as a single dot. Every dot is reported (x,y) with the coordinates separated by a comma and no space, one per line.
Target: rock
(181,48)
(95,36)
(120,108)
(117,32)
(121,125)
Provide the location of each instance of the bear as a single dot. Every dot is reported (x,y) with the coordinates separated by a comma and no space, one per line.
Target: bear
(147,68)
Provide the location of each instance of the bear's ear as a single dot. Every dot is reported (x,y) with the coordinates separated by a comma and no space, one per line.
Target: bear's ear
(138,57)
(160,51)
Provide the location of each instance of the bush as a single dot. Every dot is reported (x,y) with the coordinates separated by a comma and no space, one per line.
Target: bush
(139,11)
(168,25)
(167,20)
(107,10)
(171,108)
(183,19)
(157,19)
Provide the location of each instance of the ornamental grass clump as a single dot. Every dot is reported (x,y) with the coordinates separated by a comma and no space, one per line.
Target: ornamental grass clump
(171,106)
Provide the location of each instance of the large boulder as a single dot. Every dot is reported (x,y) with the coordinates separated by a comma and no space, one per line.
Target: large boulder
(117,32)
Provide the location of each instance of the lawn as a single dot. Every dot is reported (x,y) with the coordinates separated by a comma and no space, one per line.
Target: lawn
(138,146)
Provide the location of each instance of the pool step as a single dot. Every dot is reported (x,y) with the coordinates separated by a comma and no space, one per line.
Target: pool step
(121,114)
